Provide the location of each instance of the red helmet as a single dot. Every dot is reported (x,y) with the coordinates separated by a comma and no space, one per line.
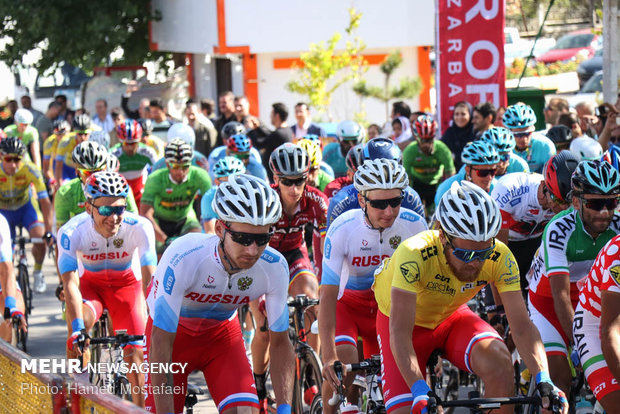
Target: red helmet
(558,172)
(129,131)
(425,127)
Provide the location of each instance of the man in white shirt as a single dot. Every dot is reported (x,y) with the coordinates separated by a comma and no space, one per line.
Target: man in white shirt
(303,126)
(102,118)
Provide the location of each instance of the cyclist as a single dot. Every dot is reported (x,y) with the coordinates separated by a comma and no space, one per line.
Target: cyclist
(349,134)
(422,291)
(116,250)
(527,202)
(317,177)
(612,156)
(13,300)
(187,134)
(481,161)
(50,146)
(347,198)
(150,140)
(301,204)
(88,157)
(426,160)
(355,244)
(586,149)
(169,195)
(561,137)
(595,329)
(100,137)
(533,147)
(240,146)
(221,169)
(571,241)
(317,140)
(19,207)
(504,143)
(64,169)
(29,135)
(200,283)
(135,158)
(353,160)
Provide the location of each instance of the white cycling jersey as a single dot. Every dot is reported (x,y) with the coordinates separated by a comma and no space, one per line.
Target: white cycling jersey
(517,197)
(191,288)
(6,245)
(82,248)
(353,250)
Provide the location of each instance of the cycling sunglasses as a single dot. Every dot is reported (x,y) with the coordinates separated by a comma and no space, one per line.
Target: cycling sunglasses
(597,204)
(246,239)
(383,204)
(107,211)
(81,132)
(12,158)
(467,256)
(297,182)
(522,134)
(504,157)
(242,155)
(553,197)
(87,173)
(485,172)
(176,166)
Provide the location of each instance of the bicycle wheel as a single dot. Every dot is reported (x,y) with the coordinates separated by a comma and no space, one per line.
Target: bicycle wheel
(317,405)
(18,337)
(307,377)
(24,283)
(122,388)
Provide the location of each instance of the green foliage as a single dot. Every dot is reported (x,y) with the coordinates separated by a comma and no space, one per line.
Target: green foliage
(408,87)
(325,69)
(82,33)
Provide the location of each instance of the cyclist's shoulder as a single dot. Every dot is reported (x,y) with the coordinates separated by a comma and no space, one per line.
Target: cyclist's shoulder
(134,220)
(346,221)
(66,141)
(541,142)
(315,195)
(517,183)
(147,152)
(273,259)
(76,225)
(408,215)
(565,222)
(71,187)
(30,168)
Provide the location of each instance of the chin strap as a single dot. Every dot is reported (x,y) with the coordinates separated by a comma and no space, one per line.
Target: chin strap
(233,269)
(372,225)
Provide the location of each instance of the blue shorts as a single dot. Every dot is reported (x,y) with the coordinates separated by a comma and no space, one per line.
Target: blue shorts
(68,173)
(26,216)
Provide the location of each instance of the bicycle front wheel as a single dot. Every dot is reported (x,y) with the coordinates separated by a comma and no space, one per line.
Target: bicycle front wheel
(122,388)
(308,381)
(24,284)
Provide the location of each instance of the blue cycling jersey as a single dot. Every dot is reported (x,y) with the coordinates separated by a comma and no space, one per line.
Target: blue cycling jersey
(254,167)
(334,158)
(541,149)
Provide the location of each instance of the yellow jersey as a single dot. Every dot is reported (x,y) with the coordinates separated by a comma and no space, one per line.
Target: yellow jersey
(49,147)
(14,189)
(419,265)
(64,149)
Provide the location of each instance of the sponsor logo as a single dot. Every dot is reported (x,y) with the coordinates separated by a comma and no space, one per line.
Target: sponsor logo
(473,285)
(129,220)
(106,256)
(365,261)
(93,244)
(269,257)
(244,283)
(442,278)
(441,288)
(217,298)
(327,248)
(118,243)
(515,201)
(410,271)
(428,252)
(210,279)
(65,242)
(364,243)
(395,241)
(559,230)
(615,273)
(169,190)
(506,197)
(169,280)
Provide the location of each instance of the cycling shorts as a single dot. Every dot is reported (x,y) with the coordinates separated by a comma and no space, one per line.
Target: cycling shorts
(356,315)
(175,229)
(455,337)
(542,314)
(27,216)
(68,173)
(137,187)
(225,366)
(298,264)
(123,299)
(588,343)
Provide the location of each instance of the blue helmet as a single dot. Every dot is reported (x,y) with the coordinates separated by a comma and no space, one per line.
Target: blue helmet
(239,143)
(519,116)
(382,148)
(479,153)
(227,166)
(312,137)
(501,138)
(106,184)
(612,156)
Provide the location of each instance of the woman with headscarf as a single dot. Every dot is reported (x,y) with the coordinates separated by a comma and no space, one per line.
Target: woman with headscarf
(460,132)
(402,132)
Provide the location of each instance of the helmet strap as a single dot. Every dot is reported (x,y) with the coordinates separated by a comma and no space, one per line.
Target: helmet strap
(372,226)
(233,269)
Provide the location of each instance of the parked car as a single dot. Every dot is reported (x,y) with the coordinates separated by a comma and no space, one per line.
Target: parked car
(517,47)
(592,91)
(589,67)
(579,43)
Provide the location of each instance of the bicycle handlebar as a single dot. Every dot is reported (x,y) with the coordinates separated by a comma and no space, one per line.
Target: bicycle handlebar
(118,339)
(485,403)
(302,301)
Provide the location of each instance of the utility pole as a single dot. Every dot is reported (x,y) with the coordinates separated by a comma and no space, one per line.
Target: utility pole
(611,44)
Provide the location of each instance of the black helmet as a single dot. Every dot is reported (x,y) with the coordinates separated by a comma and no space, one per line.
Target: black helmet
(232,128)
(81,122)
(12,145)
(558,172)
(354,157)
(559,134)
(147,126)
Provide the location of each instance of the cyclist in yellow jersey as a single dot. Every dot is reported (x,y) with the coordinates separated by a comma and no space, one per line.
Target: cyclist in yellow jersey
(19,206)
(65,168)
(151,140)
(422,293)
(50,146)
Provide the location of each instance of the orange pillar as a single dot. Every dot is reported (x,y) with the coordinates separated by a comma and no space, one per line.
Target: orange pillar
(424,71)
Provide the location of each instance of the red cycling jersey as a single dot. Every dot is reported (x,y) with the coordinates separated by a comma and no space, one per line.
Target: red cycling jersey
(289,233)
(336,185)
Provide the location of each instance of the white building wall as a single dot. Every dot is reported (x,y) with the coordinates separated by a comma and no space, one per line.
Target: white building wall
(204,76)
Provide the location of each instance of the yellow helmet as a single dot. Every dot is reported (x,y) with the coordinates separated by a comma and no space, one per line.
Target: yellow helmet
(313,149)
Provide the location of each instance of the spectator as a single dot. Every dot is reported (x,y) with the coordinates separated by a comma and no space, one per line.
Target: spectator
(207,107)
(206,135)
(608,131)
(281,135)
(12,105)
(560,135)
(102,118)
(160,121)
(402,132)
(45,123)
(226,105)
(242,108)
(256,131)
(554,108)
(400,108)
(143,108)
(460,132)
(586,117)
(119,119)
(374,131)
(304,126)
(65,112)
(499,115)
(570,120)
(483,118)
(27,104)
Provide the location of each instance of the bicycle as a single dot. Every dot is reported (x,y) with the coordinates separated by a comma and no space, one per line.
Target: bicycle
(191,397)
(373,396)
(18,336)
(308,366)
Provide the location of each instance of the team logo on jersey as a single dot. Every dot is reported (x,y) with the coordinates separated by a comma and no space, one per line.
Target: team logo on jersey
(210,279)
(615,273)
(118,243)
(244,283)
(394,241)
(364,243)
(82,204)
(169,190)
(410,271)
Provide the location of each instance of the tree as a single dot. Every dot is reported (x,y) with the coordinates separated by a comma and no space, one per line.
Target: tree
(409,87)
(325,70)
(83,33)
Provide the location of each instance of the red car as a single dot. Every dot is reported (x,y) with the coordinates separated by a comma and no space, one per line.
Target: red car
(581,42)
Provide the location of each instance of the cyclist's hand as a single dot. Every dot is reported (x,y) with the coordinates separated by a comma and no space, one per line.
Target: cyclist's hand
(60,292)
(17,315)
(420,392)
(329,374)
(261,305)
(420,405)
(77,341)
(49,239)
(553,398)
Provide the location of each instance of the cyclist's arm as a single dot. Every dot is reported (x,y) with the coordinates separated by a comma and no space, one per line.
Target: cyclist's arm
(148,256)
(282,366)
(73,296)
(402,321)
(34,152)
(524,333)
(610,330)
(161,353)
(327,328)
(560,290)
(58,170)
(48,213)
(7,281)
(148,211)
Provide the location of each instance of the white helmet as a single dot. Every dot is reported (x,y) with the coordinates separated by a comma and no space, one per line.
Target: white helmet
(586,149)
(380,174)
(100,137)
(90,156)
(23,116)
(247,199)
(183,131)
(468,212)
(113,164)
(349,130)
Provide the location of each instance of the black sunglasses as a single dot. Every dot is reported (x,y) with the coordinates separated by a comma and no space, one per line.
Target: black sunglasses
(383,204)
(485,172)
(289,183)
(246,239)
(597,204)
